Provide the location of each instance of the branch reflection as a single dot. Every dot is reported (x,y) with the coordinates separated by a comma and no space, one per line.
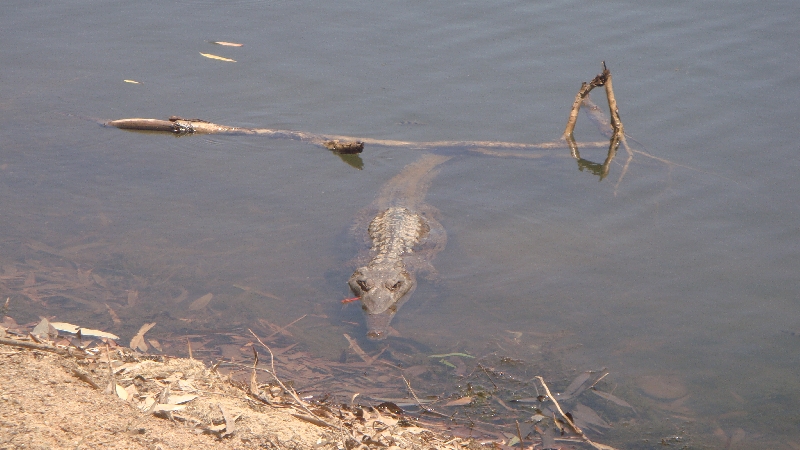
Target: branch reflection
(601,170)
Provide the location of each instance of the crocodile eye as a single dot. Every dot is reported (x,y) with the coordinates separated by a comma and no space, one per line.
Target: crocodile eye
(364,307)
(363,285)
(396,286)
(393,309)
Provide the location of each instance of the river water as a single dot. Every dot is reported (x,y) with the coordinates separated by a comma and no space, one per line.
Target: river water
(681,265)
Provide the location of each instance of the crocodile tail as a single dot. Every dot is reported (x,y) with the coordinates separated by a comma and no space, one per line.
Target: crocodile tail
(411,184)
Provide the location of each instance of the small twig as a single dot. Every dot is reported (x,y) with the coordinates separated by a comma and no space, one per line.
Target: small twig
(576,106)
(598,380)
(314,420)
(33,346)
(291,392)
(519,435)
(419,403)
(255,357)
(284,328)
(488,376)
(616,122)
(551,397)
(599,80)
(253,375)
(360,352)
(410,389)
(83,376)
(569,421)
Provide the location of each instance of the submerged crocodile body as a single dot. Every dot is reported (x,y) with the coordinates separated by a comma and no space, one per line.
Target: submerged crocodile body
(404,237)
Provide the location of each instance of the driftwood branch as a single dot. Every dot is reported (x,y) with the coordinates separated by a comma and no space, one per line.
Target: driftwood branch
(336,143)
(613,128)
(352,145)
(603,79)
(349,146)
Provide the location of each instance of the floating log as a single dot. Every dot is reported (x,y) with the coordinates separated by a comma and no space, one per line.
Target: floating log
(353,145)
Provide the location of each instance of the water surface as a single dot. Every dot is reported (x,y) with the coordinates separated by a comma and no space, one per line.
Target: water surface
(685,267)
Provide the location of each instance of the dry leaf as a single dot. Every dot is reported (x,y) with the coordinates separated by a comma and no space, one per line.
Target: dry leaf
(574,388)
(229,44)
(356,348)
(412,430)
(186,385)
(602,446)
(220,58)
(63,326)
(148,402)
(459,402)
(121,392)
(133,298)
(132,391)
(114,316)
(127,367)
(613,398)
(98,333)
(138,341)
(155,344)
(99,280)
(70,328)
(131,81)
(178,399)
(587,416)
(184,295)
(44,330)
(201,302)
(230,421)
(163,407)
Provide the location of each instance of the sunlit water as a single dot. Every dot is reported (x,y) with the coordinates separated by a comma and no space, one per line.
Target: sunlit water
(685,266)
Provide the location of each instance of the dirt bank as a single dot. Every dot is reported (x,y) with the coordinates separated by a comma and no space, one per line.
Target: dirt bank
(112,398)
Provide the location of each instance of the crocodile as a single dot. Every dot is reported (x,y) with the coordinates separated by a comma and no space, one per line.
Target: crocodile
(403,237)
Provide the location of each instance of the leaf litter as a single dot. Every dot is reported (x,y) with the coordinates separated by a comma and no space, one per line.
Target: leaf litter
(217,402)
(205,401)
(495,387)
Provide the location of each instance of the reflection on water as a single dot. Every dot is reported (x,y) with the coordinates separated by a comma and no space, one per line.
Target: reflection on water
(676,272)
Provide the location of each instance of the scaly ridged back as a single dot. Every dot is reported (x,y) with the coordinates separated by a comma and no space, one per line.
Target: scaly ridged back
(394,233)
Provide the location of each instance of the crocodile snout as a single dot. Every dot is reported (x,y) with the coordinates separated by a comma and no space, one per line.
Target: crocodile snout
(382,290)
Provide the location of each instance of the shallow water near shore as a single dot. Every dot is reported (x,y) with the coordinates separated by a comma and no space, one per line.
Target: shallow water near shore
(676,273)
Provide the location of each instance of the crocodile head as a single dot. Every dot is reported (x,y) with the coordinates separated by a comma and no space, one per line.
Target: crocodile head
(382,290)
